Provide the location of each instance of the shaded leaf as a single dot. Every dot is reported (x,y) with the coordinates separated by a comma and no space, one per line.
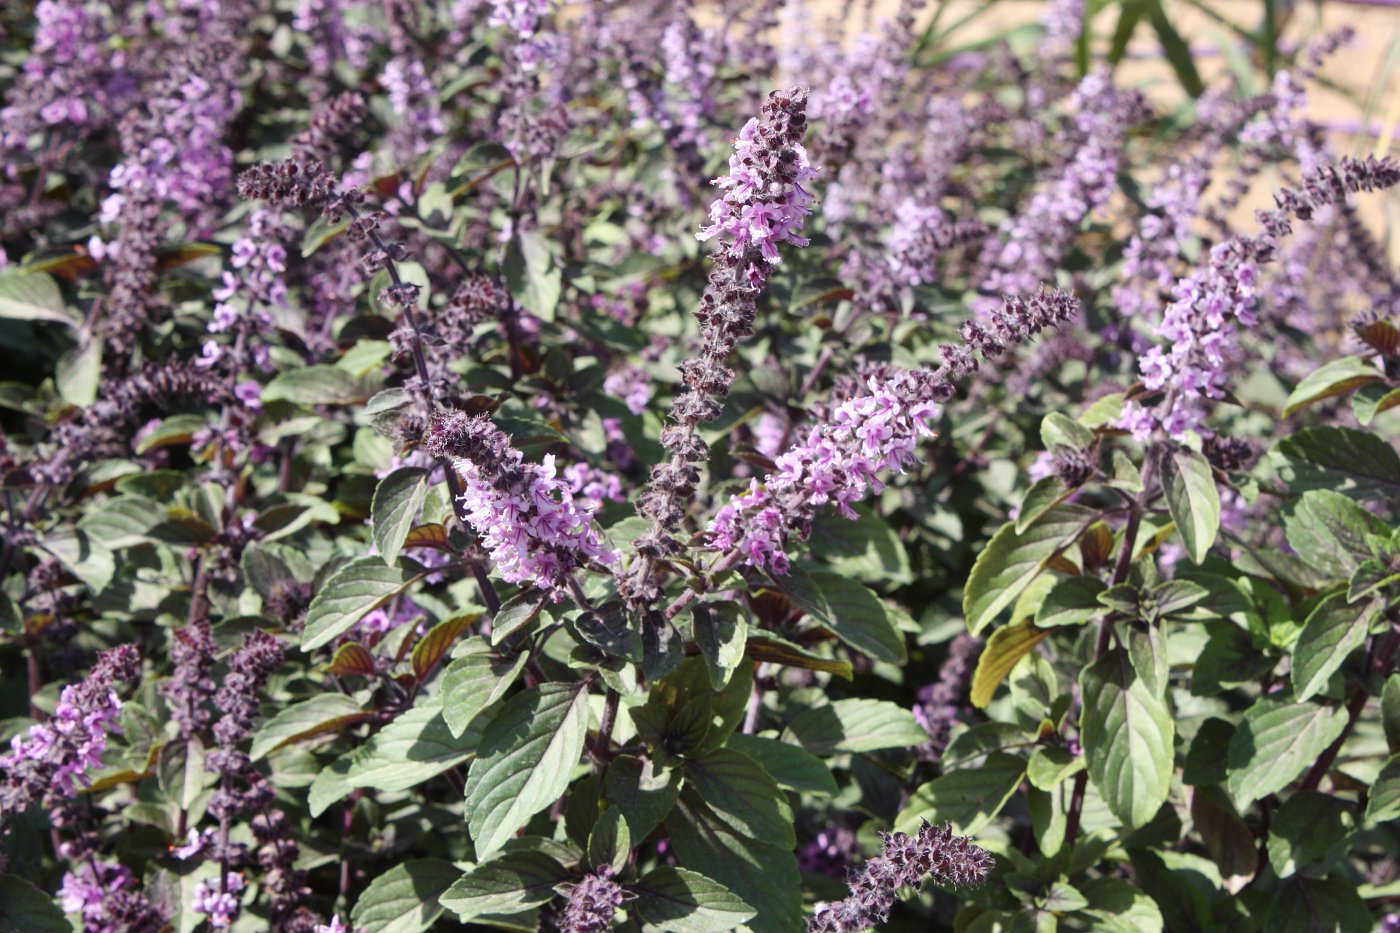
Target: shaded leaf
(526,757)
(856,725)
(405,898)
(1274,742)
(684,901)
(397,500)
(1012,559)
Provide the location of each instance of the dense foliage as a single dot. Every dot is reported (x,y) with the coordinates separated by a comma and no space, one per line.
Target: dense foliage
(494,464)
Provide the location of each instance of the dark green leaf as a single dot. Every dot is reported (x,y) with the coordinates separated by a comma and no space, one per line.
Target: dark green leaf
(1072,601)
(1329,531)
(405,898)
(1127,731)
(355,590)
(1338,377)
(315,385)
(610,843)
(473,680)
(326,712)
(1333,630)
(1012,559)
(794,769)
(33,296)
(1274,742)
(1192,499)
(856,725)
(1383,804)
(504,885)
(525,759)
(413,748)
(26,909)
(1305,827)
(1306,905)
(644,797)
(1343,459)
(742,795)
(397,501)
(761,874)
(968,799)
(683,901)
(721,631)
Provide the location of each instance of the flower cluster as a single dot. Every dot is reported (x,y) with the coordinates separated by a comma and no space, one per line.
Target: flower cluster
(1200,327)
(764,202)
(592,903)
(839,463)
(528,519)
(906,863)
(55,757)
(868,434)
(943,702)
(219,900)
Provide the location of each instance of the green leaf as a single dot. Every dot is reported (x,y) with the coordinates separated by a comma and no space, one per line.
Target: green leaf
(1046,493)
(33,296)
(1274,742)
(1370,578)
(856,725)
(1050,765)
(610,843)
(1013,559)
(1127,731)
(683,901)
(515,613)
(1334,629)
(1115,906)
(315,385)
(405,898)
(969,799)
(326,712)
(761,874)
(609,629)
(1072,601)
(23,907)
(1305,905)
(531,274)
(78,373)
(855,615)
(397,501)
(721,631)
(413,748)
(1383,804)
(1057,430)
(1008,645)
(1390,712)
(644,797)
(1305,827)
(1328,530)
(742,795)
(1227,837)
(1336,378)
(1343,459)
(867,548)
(355,590)
(525,759)
(504,885)
(981,740)
(794,769)
(1374,400)
(1178,53)
(474,680)
(1192,499)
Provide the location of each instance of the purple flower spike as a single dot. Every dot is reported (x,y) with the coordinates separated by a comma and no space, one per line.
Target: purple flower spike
(527,517)
(934,852)
(54,759)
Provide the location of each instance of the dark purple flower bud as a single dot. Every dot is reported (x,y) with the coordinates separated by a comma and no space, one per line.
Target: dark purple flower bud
(907,862)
